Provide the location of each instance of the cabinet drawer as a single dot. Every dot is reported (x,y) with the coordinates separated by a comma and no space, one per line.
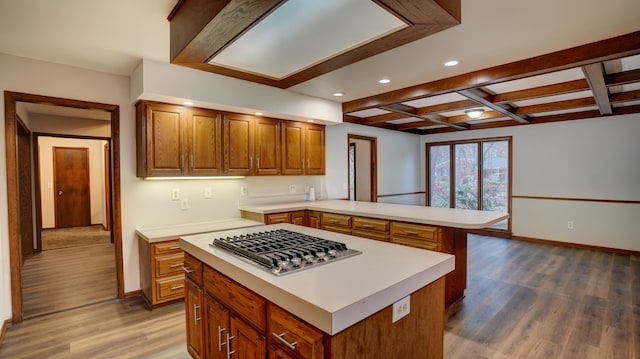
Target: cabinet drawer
(170,288)
(167,247)
(169,264)
(337,229)
(416,242)
(336,220)
(379,236)
(277,218)
(370,224)
(416,231)
(244,302)
(193,269)
(284,327)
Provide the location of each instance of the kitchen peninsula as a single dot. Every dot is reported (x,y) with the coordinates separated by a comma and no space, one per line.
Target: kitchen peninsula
(341,309)
(437,229)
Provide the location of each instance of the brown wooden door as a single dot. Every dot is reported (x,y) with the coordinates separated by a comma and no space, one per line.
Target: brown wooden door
(71,186)
(315,150)
(293,148)
(164,145)
(216,328)
(24,190)
(267,146)
(205,155)
(247,342)
(194,310)
(237,132)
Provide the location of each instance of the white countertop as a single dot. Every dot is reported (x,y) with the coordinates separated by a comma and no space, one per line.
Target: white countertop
(158,234)
(334,296)
(448,217)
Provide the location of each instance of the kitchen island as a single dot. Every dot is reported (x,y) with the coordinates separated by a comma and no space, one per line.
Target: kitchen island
(342,309)
(437,229)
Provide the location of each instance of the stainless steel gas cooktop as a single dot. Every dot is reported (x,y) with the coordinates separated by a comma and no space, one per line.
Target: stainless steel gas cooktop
(281,251)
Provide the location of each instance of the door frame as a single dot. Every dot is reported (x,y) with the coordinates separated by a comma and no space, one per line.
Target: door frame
(373,166)
(10,100)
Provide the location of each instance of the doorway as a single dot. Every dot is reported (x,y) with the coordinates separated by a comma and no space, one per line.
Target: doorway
(362,168)
(17,221)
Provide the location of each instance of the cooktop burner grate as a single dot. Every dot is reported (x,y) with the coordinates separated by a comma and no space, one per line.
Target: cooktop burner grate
(281,251)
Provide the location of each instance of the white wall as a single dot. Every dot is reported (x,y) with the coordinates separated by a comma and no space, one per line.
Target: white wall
(96,177)
(592,159)
(398,162)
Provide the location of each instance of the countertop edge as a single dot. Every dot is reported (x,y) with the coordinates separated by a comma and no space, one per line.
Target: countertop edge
(176,231)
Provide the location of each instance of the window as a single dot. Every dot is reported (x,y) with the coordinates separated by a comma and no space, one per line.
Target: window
(470,175)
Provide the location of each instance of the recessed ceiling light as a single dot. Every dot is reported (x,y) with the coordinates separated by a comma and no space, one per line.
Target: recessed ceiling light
(258,113)
(188,103)
(310,121)
(384,81)
(338,94)
(451,63)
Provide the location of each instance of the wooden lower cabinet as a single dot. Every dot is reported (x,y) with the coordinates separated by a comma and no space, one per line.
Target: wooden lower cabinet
(227,320)
(161,273)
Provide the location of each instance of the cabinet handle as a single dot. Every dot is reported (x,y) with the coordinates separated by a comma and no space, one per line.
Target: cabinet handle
(333,221)
(367,226)
(175,265)
(191,161)
(174,248)
(413,233)
(229,351)
(258,162)
(177,287)
(195,316)
(188,270)
(181,161)
(280,338)
(308,166)
(220,342)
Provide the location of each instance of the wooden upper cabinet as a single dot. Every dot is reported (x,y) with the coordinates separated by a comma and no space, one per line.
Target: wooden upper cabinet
(303,149)
(237,133)
(267,147)
(160,146)
(315,150)
(205,150)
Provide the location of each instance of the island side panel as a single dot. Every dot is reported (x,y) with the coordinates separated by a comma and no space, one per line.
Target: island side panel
(418,335)
(454,241)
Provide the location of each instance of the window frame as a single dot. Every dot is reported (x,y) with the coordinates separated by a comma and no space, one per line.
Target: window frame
(452,175)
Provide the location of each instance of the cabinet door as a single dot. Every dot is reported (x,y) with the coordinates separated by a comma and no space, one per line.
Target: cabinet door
(205,157)
(216,328)
(161,147)
(193,310)
(238,144)
(315,150)
(299,218)
(276,352)
(247,342)
(314,220)
(267,147)
(293,156)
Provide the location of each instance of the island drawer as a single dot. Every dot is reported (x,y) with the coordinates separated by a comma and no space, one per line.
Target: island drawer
(193,269)
(170,288)
(378,236)
(370,224)
(336,220)
(169,264)
(276,218)
(250,306)
(293,335)
(416,242)
(415,231)
(166,247)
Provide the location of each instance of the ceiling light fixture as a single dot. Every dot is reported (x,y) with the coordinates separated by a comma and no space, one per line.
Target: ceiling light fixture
(384,81)
(451,63)
(475,113)
(338,94)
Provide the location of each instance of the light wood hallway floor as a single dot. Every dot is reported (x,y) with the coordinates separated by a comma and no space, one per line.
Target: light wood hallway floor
(524,300)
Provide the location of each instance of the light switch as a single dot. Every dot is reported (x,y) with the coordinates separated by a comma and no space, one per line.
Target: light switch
(207,193)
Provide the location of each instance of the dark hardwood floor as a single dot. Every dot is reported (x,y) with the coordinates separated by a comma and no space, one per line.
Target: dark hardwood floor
(524,300)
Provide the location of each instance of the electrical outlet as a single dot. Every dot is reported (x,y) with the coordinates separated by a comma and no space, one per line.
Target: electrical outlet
(401,309)
(207,193)
(184,204)
(175,194)
(244,191)
(292,188)
(570,225)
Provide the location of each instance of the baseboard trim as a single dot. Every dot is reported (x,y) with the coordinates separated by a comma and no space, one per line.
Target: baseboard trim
(5,324)
(577,245)
(132,293)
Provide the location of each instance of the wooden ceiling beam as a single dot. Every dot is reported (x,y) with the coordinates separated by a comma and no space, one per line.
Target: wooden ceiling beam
(542,91)
(595,52)
(382,118)
(557,106)
(623,78)
(446,107)
(435,119)
(486,100)
(595,77)
(625,96)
